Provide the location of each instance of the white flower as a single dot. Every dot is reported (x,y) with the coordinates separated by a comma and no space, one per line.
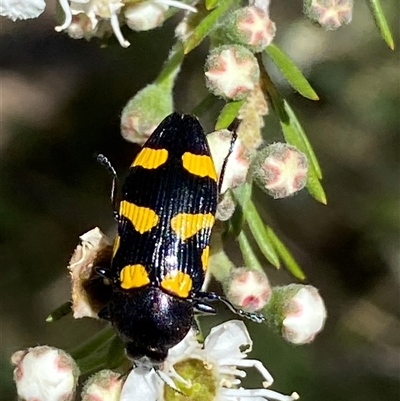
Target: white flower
(110,10)
(96,10)
(94,248)
(17,9)
(208,372)
(45,374)
(305,316)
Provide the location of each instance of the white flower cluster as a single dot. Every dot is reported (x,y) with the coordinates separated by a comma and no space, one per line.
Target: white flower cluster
(220,359)
(97,18)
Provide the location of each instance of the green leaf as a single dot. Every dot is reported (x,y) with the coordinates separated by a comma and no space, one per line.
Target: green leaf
(205,105)
(228,114)
(285,255)
(206,25)
(381,22)
(301,139)
(63,310)
(210,4)
(260,233)
(116,353)
(94,343)
(291,72)
(249,257)
(315,188)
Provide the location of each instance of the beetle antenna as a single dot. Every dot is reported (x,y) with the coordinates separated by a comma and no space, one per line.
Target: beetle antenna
(114,186)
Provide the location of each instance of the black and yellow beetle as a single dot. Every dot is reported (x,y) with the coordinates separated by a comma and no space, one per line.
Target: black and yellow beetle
(165,217)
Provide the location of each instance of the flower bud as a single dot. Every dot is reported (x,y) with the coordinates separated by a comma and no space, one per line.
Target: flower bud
(331,15)
(238,164)
(248,289)
(45,374)
(81,27)
(89,291)
(145,15)
(231,72)
(297,311)
(281,170)
(144,112)
(251,27)
(105,385)
(21,9)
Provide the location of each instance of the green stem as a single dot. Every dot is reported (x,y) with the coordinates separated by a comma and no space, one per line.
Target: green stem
(172,66)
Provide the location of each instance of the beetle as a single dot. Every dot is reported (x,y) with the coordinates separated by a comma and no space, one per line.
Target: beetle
(165,217)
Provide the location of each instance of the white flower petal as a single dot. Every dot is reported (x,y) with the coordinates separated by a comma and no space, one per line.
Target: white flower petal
(177,4)
(141,384)
(226,340)
(17,9)
(117,30)
(261,394)
(185,348)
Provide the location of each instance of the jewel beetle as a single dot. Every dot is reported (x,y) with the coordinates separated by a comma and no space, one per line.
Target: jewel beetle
(165,215)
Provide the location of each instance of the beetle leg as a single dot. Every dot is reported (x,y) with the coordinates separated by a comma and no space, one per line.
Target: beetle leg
(104,313)
(114,186)
(212,296)
(203,308)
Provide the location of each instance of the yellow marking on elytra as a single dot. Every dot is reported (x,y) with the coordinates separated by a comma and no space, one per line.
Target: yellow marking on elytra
(142,218)
(204,257)
(116,245)
(201,165)
(133,276)
(186,225)
(177,282)
(150,158)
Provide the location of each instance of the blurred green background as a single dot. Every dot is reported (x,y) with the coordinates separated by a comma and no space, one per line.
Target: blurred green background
(61,100)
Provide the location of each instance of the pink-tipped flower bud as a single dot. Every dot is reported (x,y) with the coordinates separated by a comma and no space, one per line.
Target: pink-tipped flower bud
(248,289)
(252,27)
(297,312)
(231,71)
(145,15)
(89,291)
(281,170)
(238,163)
(145,111)
(45,374)
(105,385)
(330,14)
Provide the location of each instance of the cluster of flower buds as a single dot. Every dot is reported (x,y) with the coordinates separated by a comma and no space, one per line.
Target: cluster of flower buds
(297,311)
